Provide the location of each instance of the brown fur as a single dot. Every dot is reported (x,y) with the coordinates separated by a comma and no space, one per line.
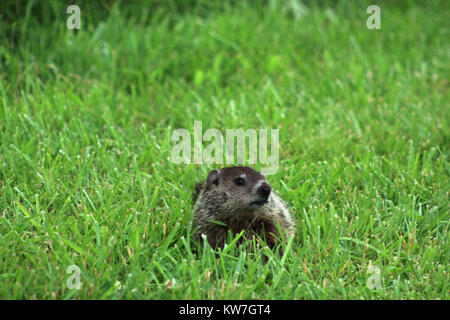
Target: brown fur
(220,199)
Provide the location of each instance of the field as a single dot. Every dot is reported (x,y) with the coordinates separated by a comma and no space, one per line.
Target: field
(86,118)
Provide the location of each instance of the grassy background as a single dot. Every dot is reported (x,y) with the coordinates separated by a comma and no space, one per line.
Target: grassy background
(85,125)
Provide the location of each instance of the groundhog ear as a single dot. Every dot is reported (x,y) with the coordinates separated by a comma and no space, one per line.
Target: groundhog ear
(213,178)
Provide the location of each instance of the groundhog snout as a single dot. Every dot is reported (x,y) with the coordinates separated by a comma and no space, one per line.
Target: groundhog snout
(264,189)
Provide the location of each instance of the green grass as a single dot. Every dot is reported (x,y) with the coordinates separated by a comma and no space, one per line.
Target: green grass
(85,126)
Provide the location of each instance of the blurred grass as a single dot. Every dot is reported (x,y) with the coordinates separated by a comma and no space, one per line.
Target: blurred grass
(85,125)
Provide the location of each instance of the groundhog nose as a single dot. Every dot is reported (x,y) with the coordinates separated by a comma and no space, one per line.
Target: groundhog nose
(265,190)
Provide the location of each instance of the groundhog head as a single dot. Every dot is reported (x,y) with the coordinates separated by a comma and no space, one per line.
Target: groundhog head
(244,187)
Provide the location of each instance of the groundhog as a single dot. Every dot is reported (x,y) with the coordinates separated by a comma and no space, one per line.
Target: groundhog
(236,199)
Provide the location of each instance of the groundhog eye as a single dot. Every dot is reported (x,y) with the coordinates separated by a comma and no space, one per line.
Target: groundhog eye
(239,181)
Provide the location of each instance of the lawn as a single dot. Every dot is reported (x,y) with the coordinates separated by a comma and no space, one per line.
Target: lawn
(86,119)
